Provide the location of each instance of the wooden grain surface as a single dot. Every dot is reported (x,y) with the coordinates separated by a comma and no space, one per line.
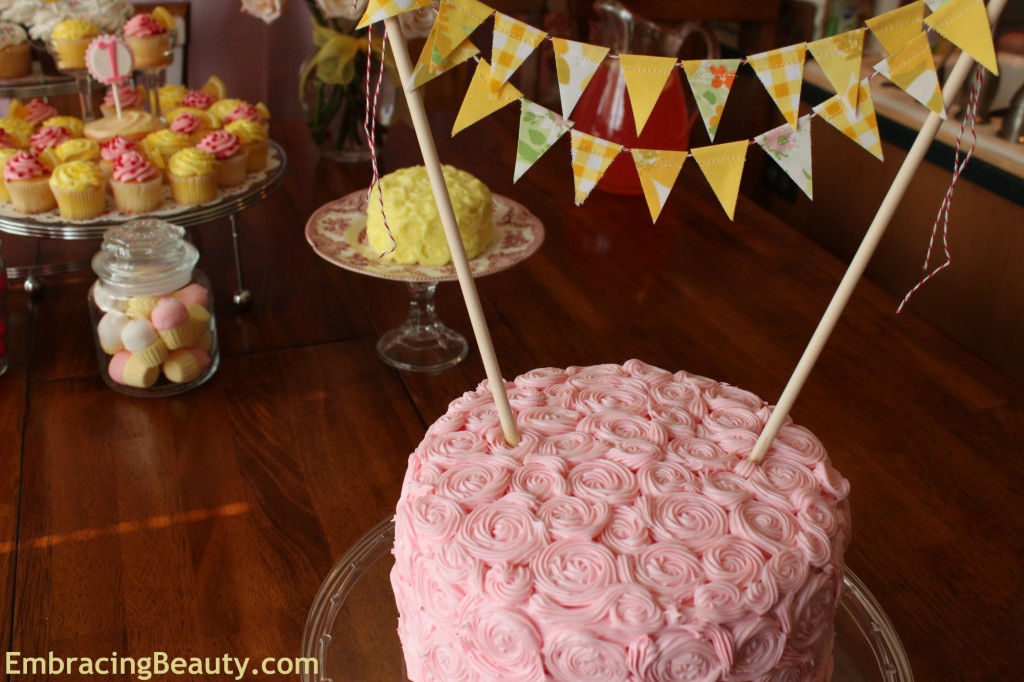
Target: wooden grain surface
(202,525)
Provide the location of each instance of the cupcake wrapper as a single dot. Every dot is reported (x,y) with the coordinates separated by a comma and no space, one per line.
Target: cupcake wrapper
(138,374)
(81,204)
(152,356)
(182,336)
(5,194)
(150,51)
(193,190)
(32,196)
(257,156)
(137,197)
(71,52)
(231,171)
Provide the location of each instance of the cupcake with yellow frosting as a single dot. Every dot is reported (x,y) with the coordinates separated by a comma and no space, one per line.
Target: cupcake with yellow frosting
(19,131)
(78,188)
(69,41)
(253,137)
(171,95)
(72,125)
(193,176)
(77,149)
(166,141)
(5,156)
(27,179)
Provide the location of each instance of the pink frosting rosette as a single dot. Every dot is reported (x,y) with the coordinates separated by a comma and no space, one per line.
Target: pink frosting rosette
(687,517)
(443,658)
(733,560)
(664,478)
(812,609)
(24,166)
(435,519)
(734,442)
(831,481)
(481,418)
(732,417)
(502,643)
(142,25)
(679,655)
(446,449)
(649,374)
(616,425)
(759,644)
(669,569)
(722,396)
(36,111)
(632,611)
(521,397)
(726,488)
(571,517)
(718,602)
(188,123)
(562,395)
(439,598)
(548,420)
(220,143)
(115,147)
(677,421)
(762,594)
(47,137)
(620,395)
(472,483)
(633,453)
(543,477)
(796,443)
(456,564)
(133,166)
(769,528)
(541,378)
(574,447)
(447,423)
(244,112)
(796,667)
(197,99)
(699,454)
(505,531)
(507,583)
(575,656)
(787,478)
(788,569)
(529,443)
(603,481)
(130,97)
(581,377)
(679,395)
(573,571)
(815,545)
(626,532)
(814,512)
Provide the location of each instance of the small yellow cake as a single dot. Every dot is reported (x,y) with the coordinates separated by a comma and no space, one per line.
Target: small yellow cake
(415,223)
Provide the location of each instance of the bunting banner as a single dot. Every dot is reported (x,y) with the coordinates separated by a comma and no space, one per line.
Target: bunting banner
(722,165)
(479,102)
(913,69)
(591,157)
(575,64)
(539,128)
(425,71)
(645,79)
(454,23)
(791,149)
(965,24)
(782,71)
(658,170)
(839,57)
(379,10)
(935,5)
(860,126)
(894,29)
(711,82)
(514,41)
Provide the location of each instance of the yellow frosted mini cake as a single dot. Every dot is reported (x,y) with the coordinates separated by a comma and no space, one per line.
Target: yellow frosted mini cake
(414,221)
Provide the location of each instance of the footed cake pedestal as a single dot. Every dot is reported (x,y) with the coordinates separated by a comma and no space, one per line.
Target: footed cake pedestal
(352,632)
(423,343)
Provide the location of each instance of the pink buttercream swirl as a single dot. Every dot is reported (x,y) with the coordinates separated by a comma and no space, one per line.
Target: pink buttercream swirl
(626,532)
(187,123)
(24,166)
(506,531)
(197,99)
(670,570)
(142,25)
(244,112)
(688,517)
(604,481)
(132,166)
(130,97)
(573,571)
(759,643)
(573,655)
(37,111)
(50,136)
(572,517)
(115,147)
(543,477)
(502,642)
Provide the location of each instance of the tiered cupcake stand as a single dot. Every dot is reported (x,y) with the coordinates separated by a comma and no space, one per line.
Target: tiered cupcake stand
(230,203)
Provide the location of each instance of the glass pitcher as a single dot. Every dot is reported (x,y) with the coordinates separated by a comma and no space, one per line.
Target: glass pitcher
(604,109)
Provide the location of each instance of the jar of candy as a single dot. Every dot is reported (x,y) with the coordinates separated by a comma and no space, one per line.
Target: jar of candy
(3,314)
(152,311)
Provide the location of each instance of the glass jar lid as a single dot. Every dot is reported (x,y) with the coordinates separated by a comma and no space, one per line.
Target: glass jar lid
(145,256)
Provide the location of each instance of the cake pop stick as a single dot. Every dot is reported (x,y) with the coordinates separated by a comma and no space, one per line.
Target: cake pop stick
(451,230)
(110,62)
(867,247)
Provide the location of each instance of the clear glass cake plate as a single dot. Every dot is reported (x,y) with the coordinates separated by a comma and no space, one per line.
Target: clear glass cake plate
(351,631)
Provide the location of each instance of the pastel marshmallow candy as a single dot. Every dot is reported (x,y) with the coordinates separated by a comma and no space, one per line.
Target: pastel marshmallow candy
(186,364)
(127,369)
(193,294)
(109,331)
(140,338)
(141,306)
(170,318)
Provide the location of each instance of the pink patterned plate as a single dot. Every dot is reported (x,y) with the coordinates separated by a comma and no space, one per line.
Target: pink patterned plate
(337,232)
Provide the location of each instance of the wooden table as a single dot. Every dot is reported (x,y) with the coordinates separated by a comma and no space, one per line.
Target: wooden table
(202,525)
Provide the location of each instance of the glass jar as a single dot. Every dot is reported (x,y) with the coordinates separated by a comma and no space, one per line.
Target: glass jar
(152,311)
(3,314)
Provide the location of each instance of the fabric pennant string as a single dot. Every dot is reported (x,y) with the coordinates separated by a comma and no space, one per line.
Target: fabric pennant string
(781,71)
(379,10)
(658,171)
(895,28)
(514,41)
(722,165)
(711,82)
(839,57)
(913,70)
(791,149)
(575,64)
(965,24)
(645,79)
(479,102)
(539,128)
(591,157)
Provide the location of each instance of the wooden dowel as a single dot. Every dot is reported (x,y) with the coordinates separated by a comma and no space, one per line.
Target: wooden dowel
(867,248)
(451,230)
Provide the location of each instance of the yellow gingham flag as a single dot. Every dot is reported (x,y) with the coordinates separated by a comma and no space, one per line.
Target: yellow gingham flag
(862,126)
(514,41)
(591,157)
(379,10)
(781,71)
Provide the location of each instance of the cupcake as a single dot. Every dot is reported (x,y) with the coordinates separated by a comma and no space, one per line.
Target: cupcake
(139,337)
(166,141)
(126,368)
(19,131)
(132,99)
(248,112)
(15,52)
(197,99)
(253,137)
(150,41)
(34,111)
(132,125)
(47,138)
(78,188)
(186,364)
(193,176)
(111,149)
(171,96)
(5,156)
(77,149)
(170,318)
(109,331)
(74,126)
(69,40)
(232,157)
(28,182)
(137,184)
(189,124)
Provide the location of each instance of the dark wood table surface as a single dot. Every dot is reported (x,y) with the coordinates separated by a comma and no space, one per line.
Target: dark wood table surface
(202,525)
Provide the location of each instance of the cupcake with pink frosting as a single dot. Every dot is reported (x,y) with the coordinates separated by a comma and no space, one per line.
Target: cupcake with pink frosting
(190,124)
(197,99)
(233,157)
(131,98)
(34,111)
(149,40)
(113,148)
(28,181)
(136,183)
(47,138)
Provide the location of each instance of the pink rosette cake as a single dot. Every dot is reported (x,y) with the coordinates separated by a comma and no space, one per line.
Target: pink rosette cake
(626,537)
(233,157)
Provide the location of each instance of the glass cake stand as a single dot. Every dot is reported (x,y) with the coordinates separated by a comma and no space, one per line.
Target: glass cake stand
(337,232)
(351,628)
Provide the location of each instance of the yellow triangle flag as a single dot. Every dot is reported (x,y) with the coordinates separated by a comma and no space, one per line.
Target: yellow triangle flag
(514,41)
(645,79)
(893,29)
(426,71)
(965,24)
(479,102)
(839,57)
(454,23)
(913,69)
(782,71)
(658,170)
(591,157)
(379,10)
(722,165)
(861,126)
(575,64)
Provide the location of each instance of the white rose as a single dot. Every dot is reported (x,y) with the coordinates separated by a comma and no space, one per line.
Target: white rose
(352,10)
(267,10)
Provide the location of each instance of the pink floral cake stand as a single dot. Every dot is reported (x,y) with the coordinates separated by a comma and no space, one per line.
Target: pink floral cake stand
(337,232)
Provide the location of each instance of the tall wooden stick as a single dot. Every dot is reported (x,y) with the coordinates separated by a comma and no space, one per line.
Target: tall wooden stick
(451,231)
(867,248)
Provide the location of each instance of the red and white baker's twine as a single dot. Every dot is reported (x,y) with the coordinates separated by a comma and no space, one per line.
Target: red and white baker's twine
(970,116)
(370,126)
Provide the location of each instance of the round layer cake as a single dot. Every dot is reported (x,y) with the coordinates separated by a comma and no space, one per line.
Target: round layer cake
(415,223)
(626,537)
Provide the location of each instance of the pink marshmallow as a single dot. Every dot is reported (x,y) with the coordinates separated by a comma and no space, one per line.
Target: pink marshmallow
(116,367)
(168,314)
(193,294)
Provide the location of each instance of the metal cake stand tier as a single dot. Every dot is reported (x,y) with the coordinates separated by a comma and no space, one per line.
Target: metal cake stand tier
(232,201)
